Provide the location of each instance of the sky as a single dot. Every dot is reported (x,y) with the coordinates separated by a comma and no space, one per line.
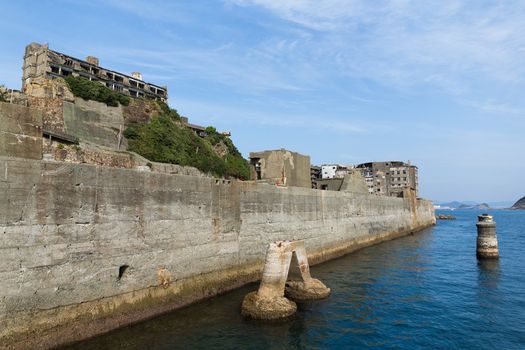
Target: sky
(438,83)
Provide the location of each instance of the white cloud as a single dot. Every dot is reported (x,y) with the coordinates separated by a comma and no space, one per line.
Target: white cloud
(462,48)
(206,112)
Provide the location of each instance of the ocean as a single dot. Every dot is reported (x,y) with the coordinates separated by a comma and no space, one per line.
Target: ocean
(423,291)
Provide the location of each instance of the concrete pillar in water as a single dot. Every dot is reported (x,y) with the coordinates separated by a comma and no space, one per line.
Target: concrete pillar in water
(309,288)
(269,301)
(487,242)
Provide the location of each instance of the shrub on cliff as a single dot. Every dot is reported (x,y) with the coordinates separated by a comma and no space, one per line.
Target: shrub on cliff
(164,139)
(166,110)
(95,91)
(236,165)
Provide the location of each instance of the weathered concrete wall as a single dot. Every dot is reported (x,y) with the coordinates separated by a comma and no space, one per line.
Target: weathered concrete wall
(90,121)
(66,230)
(354,182)
(281,167)
(20,131)
(94,122)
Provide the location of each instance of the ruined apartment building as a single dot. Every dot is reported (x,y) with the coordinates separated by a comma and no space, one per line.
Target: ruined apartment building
(389,178)
(40,61)
(281,167)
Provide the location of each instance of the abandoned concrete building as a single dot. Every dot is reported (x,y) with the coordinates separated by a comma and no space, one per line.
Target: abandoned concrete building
(389,178)
(315,174)
(40,61)
(281,167)
(333,171)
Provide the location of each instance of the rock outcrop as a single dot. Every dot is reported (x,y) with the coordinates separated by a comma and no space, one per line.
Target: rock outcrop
(520,204)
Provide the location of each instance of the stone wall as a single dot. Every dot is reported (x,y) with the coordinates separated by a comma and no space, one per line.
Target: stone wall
(88,154)
(85,249)
(48,96)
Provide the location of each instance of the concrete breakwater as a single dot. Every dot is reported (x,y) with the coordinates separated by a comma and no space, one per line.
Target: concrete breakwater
(85,249)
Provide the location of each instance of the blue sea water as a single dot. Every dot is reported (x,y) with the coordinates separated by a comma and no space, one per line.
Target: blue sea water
(424,291)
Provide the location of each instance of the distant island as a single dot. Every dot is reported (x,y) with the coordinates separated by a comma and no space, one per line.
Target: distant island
(520,204)
(463,205)
(474,206)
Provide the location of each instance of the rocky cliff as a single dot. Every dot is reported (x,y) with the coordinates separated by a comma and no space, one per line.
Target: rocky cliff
(520,204)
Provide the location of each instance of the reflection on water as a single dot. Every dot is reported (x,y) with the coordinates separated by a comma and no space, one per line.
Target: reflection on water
(418,292)
(489,273)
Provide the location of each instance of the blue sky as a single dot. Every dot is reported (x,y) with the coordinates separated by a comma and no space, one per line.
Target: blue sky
(439,83)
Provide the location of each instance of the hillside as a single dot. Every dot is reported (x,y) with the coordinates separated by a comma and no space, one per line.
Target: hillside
(520,204)
(165,139)
(157,133)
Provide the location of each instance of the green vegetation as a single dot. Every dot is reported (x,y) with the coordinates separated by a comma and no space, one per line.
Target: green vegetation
(167,111)
(236,165)
(164,139)
(92,90)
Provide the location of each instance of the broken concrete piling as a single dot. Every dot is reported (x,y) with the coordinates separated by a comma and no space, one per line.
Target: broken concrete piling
(269,302)
(487,241)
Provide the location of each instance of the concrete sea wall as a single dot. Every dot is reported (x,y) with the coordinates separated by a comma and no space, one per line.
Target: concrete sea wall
(85,249)
(88,248)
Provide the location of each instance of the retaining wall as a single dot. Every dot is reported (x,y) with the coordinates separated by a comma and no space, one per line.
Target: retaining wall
(67,231)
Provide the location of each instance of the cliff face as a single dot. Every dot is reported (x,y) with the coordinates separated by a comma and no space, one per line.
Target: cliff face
(520,204)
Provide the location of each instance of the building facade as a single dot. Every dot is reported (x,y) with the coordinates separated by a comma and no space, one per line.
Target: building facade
(315,174)
(40,61)
(389,178)
(334,171)
(281,167)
